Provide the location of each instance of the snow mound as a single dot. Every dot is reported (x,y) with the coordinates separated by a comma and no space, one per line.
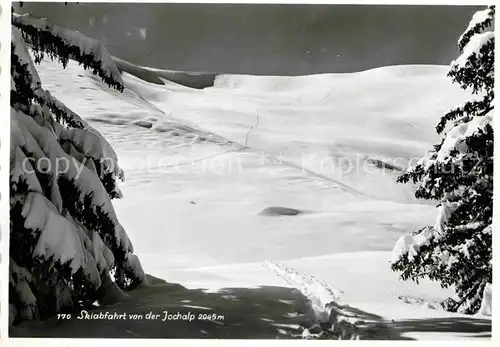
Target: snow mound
(279,211)
(196,80)
(306,82)
(407,70)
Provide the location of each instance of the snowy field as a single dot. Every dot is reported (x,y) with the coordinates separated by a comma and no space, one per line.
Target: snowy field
(206,169)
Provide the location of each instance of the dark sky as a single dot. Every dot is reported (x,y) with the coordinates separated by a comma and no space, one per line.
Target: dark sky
(268,39)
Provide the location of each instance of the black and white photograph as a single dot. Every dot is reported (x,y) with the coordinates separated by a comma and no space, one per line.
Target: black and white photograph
(290,171)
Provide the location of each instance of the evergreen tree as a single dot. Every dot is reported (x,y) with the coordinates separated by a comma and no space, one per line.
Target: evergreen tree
(67,247)
(458,172)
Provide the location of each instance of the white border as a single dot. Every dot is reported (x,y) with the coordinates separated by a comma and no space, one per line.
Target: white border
(4,190)
(5,31)
(312,2)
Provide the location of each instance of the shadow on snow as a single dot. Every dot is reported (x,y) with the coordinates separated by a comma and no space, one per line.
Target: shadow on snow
(267,312)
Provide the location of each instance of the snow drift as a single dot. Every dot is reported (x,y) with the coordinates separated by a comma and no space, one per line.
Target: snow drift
(198,80)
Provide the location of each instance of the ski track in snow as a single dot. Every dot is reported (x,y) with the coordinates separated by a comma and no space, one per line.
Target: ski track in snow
(241,147)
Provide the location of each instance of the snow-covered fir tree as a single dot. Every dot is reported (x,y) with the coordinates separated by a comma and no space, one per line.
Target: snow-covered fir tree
(67,247)
(458,172)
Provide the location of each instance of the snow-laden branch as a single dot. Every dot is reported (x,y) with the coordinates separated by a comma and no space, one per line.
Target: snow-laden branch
(21,52)
(24,77)
(455,141)
(473,47)
(91,145)
(43,97)
(455,138)
(19,279)
(44,36)
(26,81)
(83,141)
(465,111)
(21,168)
(479,22)
(58,237)
(102,254)
(42,144)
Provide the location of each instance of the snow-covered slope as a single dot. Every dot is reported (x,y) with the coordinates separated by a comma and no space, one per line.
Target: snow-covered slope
(202,164)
